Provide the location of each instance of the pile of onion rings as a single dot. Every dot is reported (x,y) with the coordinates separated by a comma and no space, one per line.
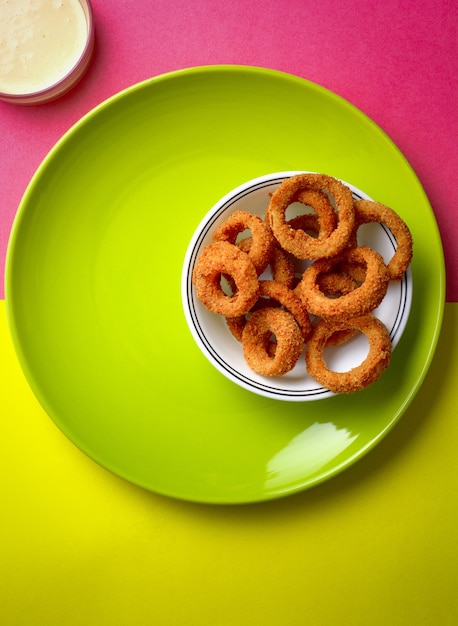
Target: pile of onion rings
(292,310)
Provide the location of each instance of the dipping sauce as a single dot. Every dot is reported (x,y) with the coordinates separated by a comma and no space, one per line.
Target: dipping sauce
(41,42)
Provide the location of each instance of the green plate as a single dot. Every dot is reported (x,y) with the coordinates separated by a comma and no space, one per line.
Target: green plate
(93,283)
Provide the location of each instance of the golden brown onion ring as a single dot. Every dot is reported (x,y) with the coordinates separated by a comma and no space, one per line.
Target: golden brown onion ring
(299,242)
(256,342)
(237,324)
(282,267)
(355,271)
(360,301)
(310,224)
(359,377)
(261,241)
(290,301)
(336,284)
(223,258)
(369,211)
(323,211)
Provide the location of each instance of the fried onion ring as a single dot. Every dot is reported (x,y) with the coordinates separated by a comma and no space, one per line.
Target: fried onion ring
(261,241)
(281,263)
(237,324)
(274,294)
(282,267)
(357,302)
(290,301)
(297,241)
(311,225)
(359,377)
(355,271)
(370,211)
(323,212)
(256,342)
(335,284)
(223,258)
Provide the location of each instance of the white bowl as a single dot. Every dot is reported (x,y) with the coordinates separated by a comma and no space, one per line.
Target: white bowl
(225,352)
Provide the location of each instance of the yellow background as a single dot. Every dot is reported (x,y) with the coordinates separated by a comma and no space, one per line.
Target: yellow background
(376,545)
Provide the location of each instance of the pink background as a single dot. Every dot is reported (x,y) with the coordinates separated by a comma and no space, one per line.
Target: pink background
(395,60)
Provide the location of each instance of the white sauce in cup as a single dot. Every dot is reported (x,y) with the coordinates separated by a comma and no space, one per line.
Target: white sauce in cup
(41,41)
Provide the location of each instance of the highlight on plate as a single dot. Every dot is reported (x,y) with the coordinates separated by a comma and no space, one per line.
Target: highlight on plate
(297,281)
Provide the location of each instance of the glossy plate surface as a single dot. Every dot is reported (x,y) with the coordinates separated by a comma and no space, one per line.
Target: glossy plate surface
(93,283)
